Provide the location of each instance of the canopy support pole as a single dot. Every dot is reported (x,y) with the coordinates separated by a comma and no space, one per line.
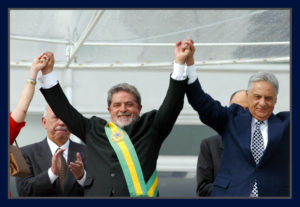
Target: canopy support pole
(93,21)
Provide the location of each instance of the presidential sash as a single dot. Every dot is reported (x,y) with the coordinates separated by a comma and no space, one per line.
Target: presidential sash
(130,164)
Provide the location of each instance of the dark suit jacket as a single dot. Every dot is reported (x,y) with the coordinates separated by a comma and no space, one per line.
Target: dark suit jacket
(238,171)
(104,173)
(38,157)
(209,159)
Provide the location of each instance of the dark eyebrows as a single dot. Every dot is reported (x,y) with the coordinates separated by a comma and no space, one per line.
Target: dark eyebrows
(127,102)
(259,96)
(269,97)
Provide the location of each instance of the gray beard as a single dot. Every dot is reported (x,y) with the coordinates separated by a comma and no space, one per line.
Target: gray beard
(121,125)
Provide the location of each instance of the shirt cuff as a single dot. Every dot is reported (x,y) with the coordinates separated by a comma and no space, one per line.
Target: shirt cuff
(47,81)
(179,72)
(52,176)
(191,74)
(82,180)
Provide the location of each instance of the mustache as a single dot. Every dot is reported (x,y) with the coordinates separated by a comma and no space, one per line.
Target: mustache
(61,128)
(124,114)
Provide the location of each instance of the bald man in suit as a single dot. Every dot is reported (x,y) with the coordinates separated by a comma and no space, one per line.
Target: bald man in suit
(45,160)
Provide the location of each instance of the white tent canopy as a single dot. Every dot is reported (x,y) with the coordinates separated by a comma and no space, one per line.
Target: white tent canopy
(98,38)
(95,49)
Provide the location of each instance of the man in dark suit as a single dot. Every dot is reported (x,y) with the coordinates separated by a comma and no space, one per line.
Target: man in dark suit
(209,159)
(56,163)
(106,174)
(211,150)
(256,157)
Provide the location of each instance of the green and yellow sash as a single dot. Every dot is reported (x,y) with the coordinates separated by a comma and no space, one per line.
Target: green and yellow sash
(122,145)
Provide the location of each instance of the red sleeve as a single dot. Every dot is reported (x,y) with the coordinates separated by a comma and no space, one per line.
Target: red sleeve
(15,128)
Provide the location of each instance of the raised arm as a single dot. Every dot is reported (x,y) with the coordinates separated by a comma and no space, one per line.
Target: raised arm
(55,97)
(210,111)
(173,102)
(18,115)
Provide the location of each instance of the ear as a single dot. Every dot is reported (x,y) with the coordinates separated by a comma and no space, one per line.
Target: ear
(44,121)
(108,109)
(248,95)
(140,108)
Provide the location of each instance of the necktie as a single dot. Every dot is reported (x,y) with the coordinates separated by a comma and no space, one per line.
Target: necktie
(257,148)
(62,172)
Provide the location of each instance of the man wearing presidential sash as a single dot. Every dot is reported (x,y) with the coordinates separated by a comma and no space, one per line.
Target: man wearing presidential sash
(122,154)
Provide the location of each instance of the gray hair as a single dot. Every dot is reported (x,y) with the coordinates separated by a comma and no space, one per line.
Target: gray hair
(264,76)
(45,114)
(124,87)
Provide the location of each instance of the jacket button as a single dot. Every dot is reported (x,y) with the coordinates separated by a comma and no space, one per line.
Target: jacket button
(112,174)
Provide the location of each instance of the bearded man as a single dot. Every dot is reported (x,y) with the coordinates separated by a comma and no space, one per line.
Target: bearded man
(122,154)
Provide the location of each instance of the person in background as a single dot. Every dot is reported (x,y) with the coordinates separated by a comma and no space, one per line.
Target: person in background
(56,163)
(239,97)
(17,116)
(211,150)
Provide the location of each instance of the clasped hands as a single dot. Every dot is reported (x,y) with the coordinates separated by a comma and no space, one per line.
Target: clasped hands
(44,62)
(184,52)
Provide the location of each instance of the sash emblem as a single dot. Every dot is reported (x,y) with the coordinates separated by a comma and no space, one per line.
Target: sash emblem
(117,136)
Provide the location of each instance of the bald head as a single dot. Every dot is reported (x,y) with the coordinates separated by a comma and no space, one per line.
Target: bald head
(240,98)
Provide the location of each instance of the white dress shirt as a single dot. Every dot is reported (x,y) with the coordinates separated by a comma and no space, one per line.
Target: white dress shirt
(181,72)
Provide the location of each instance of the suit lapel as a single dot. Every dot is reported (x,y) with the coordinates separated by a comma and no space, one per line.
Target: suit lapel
(275,134)
(44,155)
(243,138)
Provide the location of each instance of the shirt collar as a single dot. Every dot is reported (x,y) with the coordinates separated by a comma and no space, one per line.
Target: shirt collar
(53,146)
(254,120)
